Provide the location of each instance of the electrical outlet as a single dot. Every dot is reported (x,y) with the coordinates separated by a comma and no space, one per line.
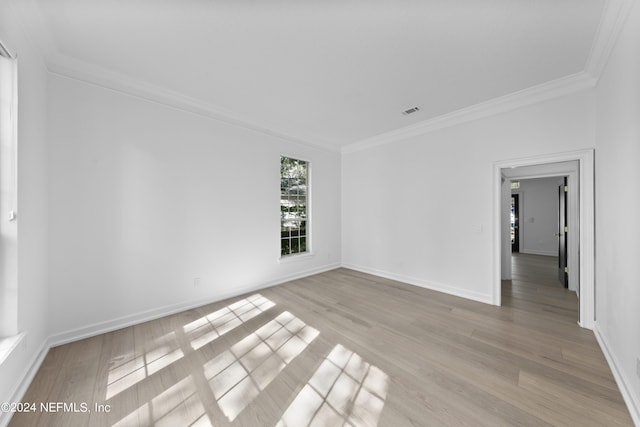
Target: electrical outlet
(196,282)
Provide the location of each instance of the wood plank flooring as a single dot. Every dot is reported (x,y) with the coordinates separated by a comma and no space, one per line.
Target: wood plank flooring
(343,348)
(536,287)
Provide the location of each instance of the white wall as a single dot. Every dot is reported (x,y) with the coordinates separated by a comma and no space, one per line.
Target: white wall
(618,207)
(145,198)
(539,215)
(134,210)
(420,210)
(31,207)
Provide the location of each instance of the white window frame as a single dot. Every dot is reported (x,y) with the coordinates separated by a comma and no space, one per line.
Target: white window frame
(308,229)
(9,335)
(8,195)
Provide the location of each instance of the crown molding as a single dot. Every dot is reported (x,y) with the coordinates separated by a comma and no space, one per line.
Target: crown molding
(36,30)
(59,64)
(543,92)
(78,70)
(612,21)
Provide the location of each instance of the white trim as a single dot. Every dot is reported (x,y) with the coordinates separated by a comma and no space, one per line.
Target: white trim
(613,17)
(497,235)
(586,181)
(533,95)
(102,327)
(9,344)
(586,208)
(630,398)
(611,22)
(156,313)
(9,112)
(27,377)
(573,256)
(5,52)
(168,98)
(309,253)
(302,256)
(37,28)
(434,286)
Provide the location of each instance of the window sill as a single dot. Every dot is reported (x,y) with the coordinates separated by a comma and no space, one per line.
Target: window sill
(297,257)
(9,344)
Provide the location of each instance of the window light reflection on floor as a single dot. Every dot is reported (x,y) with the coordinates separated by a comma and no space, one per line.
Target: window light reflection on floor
(178,405)
(238,375)
(344,390)
(126,371)
(214,325)
(164,352)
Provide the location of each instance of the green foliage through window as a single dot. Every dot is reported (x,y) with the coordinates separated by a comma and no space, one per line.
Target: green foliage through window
(294,179)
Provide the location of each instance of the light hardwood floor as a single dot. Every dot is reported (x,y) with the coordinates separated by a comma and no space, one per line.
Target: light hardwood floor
(343,348)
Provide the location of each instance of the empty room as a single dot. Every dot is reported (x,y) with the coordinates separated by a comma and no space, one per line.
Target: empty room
(306,213)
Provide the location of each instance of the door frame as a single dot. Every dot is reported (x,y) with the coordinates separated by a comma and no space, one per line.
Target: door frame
(586,244)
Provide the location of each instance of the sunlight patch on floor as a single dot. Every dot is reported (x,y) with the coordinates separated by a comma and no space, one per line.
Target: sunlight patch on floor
(163,352)
(238,375)
(344,390)
(126,371)
(178,405)
(212,326)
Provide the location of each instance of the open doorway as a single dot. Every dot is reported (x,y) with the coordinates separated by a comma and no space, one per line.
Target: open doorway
(542,220)
(582,242)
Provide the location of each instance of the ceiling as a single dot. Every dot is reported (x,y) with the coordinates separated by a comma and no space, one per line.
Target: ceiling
(328,73)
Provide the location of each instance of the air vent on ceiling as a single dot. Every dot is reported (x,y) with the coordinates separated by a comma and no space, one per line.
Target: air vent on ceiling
(411,110)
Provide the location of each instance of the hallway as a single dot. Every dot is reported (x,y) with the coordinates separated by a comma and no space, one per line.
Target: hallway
(535,288)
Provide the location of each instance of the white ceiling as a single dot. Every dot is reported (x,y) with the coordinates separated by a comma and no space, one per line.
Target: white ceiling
(330,73)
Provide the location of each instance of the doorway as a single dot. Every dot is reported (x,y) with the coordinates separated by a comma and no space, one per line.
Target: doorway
(542,205)
(583,178)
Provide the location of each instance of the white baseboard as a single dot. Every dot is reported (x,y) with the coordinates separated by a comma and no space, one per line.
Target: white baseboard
(451,290)
(630,398)
(21,388)
(156,313)
(98,328)
(536,252)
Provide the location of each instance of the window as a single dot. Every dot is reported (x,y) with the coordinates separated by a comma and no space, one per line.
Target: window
(294,219)
(8,200)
